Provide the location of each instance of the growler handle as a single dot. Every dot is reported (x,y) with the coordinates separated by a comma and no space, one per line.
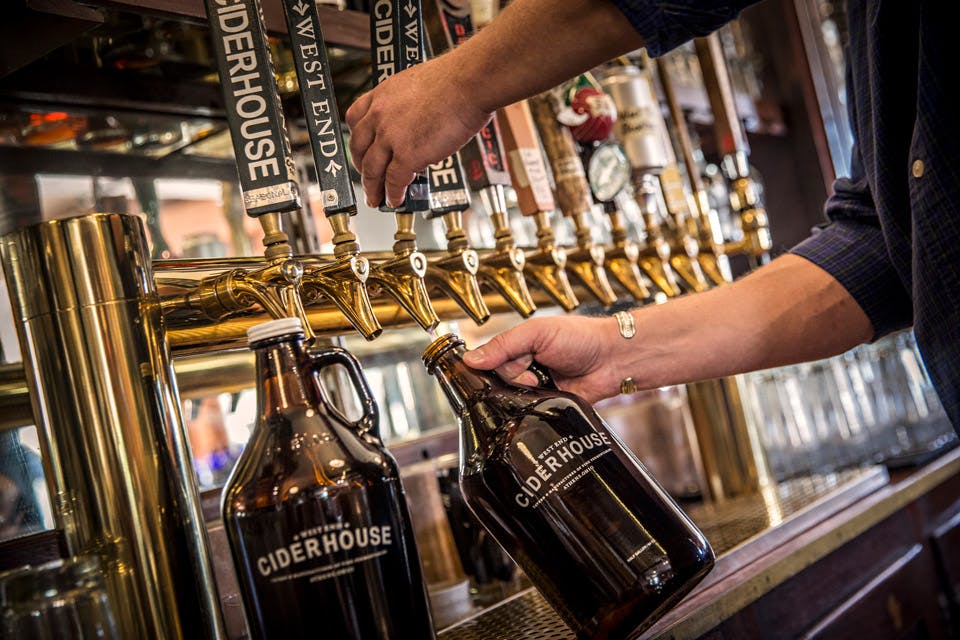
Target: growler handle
(369,421)
(544,378)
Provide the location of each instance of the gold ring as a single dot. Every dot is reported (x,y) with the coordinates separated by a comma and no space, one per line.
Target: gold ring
(628,386)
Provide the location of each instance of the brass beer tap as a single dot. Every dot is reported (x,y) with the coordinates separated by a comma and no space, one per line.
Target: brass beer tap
(573,195)
(545,266)
(402,275)
(501,268)
(344,280)
(642,132)
(744,200)
(712,257)
(608,173)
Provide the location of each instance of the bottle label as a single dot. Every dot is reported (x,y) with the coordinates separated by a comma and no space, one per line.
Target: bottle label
(560,466)
(337,549)
(344,553)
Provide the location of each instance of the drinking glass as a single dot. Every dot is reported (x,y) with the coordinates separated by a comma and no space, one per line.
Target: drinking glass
(60,600)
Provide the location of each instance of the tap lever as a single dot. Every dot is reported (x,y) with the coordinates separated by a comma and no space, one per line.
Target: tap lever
(343,282)
(261,146)
(402,278)
(456,275)
(312,65)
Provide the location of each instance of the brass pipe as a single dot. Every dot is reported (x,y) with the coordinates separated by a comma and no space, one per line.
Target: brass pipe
(115,449)
(15,408)
(230,333)
(730,447)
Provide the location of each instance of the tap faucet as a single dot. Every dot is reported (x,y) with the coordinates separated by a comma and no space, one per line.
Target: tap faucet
(343,281)
(402,276)
(544,266)
(503,268)
(586,261)
(455,273)
(655,254)
(623,258)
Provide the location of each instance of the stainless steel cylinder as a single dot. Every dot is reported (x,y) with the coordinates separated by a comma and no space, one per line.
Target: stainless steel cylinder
(640,126)
(104,397)
(731,452)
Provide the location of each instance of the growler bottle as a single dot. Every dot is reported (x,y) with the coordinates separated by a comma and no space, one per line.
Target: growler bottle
(314,511)
(601,540)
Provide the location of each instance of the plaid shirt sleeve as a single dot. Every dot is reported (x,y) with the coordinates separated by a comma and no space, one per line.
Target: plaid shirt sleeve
(852,249)
(666,24)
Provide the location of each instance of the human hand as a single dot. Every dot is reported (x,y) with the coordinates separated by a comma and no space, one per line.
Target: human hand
(585,355)
(413,119)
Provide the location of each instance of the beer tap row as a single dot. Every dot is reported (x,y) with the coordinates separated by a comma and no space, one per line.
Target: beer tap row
(605,141)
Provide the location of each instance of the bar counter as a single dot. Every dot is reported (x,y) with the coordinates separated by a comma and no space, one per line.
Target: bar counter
(814,557)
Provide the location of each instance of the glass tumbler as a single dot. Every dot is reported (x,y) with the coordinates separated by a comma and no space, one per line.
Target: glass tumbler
(60,600)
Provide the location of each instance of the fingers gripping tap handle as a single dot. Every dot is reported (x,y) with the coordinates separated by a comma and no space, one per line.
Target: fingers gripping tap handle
(396,36)
(257,127)
(320,106)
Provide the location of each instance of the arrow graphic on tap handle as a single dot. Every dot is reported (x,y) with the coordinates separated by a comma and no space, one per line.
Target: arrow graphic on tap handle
(301,8)
(333,168)
(410,8)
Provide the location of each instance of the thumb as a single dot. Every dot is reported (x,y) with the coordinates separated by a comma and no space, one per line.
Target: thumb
(509,345)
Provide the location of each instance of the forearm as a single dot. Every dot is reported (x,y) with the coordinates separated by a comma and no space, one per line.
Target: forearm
(537,44)
(789,311)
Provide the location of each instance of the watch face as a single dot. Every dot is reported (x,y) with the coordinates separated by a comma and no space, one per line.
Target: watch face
(608,172)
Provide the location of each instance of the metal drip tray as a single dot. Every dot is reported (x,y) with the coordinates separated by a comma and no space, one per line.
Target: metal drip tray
(524,616)
(740,530)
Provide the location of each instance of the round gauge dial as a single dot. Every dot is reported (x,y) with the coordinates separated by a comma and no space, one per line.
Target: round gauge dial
(608,172)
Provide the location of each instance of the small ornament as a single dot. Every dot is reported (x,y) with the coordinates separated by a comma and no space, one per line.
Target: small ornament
(600,112)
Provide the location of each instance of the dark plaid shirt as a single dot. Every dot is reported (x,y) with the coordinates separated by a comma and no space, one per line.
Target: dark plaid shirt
(893,237)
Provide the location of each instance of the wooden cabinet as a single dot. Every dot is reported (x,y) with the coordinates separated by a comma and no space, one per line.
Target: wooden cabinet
(898,580)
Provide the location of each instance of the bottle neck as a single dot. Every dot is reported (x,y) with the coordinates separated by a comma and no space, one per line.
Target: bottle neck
(281,377)
(461,383)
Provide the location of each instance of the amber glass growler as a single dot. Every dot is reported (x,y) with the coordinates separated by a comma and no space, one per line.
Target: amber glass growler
(601,540)
(314,511)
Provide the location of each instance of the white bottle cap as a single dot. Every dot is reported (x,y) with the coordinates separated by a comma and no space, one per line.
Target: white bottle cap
(273,329)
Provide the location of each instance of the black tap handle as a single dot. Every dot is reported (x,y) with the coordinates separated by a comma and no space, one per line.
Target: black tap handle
(484,160)
(257,127)
(320,106)
(448,190)
(397,43)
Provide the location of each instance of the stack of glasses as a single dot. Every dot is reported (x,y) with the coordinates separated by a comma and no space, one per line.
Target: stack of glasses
(873,404)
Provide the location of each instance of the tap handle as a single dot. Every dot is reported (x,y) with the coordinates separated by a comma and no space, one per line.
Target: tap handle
(640,126)
(449,24)
(680,125)
(369,421)
(573,192)
(257,127)
(448,189)
(525,160)
(320,110)
(716,78)
(396,34)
